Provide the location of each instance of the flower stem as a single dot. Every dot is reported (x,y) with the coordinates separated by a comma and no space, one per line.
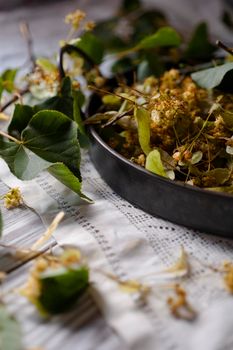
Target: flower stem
(224,47)
(10,137)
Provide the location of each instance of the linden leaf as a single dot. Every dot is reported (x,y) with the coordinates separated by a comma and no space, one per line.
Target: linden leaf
(196,157)
(63,102)
(199,46)
(22,162)
(218,175)
(154,163)
(61,288)
(164,37)
(128,6)
(92,47)
(227,116)
(212,77)
(82,136)
(143,120)
(49,141)
(7,81)
(10,331)
(56,282)
(21,117)
(53,136)
(62,173)
(224,189)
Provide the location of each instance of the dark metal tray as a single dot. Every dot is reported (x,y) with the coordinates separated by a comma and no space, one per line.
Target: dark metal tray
(183,204)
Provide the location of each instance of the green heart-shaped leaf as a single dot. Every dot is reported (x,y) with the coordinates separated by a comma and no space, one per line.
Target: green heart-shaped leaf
(60,289)
(82,136)
(154,163)
(21,117)
(65,176)
(164,37)
(143,120)
(199,46)
(91,46)
(53,136)
(22,162)
(62,103)
(212,77)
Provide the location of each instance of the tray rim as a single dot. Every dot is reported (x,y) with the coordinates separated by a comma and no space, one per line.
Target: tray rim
(171,183)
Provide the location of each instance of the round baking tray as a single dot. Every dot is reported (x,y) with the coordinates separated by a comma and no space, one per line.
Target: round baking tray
(183,204)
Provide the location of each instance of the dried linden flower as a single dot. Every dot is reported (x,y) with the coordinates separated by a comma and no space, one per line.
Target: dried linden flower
(181,265)
(89,26)
(13,198)
(43,83)
(75,18)
(179,306)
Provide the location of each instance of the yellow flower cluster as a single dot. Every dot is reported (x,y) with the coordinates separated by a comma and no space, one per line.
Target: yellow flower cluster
(13,198)
(90,25)
(75,18)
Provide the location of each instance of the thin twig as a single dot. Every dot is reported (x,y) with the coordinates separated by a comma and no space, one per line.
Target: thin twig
(117,117)
(102,91)
(224,47)
(69,49)
(26,34)
(14,99)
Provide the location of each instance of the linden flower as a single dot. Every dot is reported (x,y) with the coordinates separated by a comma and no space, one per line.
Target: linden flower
(13,198)
(43,83)
(89,26)
(75,18)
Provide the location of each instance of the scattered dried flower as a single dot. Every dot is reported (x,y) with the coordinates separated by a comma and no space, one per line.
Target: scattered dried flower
(13,198)
(130,286)
(179,306)
(180,267)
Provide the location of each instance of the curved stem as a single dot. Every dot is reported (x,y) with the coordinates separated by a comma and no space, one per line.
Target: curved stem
(68,48)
